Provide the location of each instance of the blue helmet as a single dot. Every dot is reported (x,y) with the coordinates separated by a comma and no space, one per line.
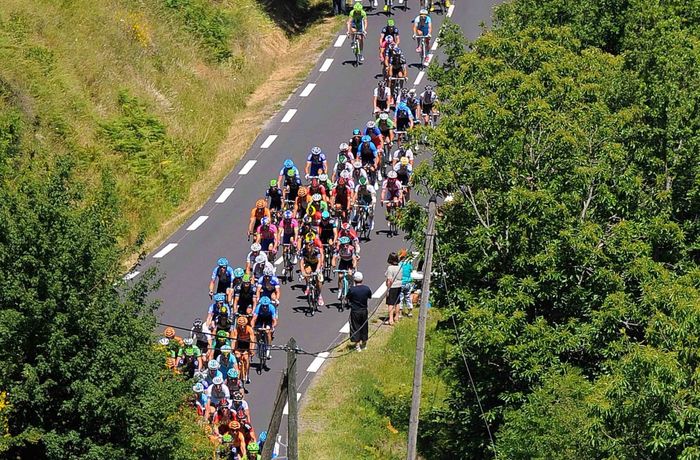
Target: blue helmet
(219,297)
(222,262)
(264,300)
(397,50)
(288,214)
(325,215)
(288,163)
(366,138)
(238,273)
(356,132)
(344,240)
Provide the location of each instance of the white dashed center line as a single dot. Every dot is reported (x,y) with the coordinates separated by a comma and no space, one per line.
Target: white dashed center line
(268,142)
(288,116)
(316,363)
(326,65)
(310,87)
(340,40)
(248,166)
(165,250)
(419,77)
(225,194)
(278,261)
(199,221)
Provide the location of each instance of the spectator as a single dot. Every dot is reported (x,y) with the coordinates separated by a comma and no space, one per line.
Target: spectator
(358,296)
(406,283)
(393,284)
(338,7)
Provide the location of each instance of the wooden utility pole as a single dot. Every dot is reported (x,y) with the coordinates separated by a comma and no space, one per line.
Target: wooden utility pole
(292,418)
(276,419)
(420,340)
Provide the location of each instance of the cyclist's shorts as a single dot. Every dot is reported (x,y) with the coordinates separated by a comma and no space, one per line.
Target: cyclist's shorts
(402,124)
(313,265)
(386,132)
(314,169)
(287,238)
(357,25)
(264,322)
(242,345)
(345,264)
(266,242)
(383,105)
(426,108)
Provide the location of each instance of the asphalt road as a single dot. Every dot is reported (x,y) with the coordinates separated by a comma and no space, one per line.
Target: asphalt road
(334,99)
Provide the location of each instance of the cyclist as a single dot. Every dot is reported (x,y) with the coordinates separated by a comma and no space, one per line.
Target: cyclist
(345,258)
(292,184)
(392,190)
(227,361)
(244,345)
(365,195)
(244,296)
(275,195)
(403,118)
(311,260)
(253,451)
(316,207)
(386,127)
(200,398)
(301,203)
(327,232)
(289,230)
(374,133)
(390,30)
(412,102)
(342,195)
(284,174)
(256,215)
(315,160)
(427,99)
(261,263)
(381,98)
(347,230)
(317,187)
(403,171)
(201,338)
(265,317)
(189,358)
(422,26)
(238,273)
(344,164)
(357,172)
(218,301)
(355,142)
(241,412)
(357,23)
(221,277)
(215,394)
(252,255)
(268,286)
(212,373)
(397,66)
(221,339)
(266,236)
(233,381)
(402,152)
(324,181)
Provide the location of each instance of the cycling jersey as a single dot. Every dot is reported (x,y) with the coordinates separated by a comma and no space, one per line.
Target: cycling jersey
(397,60)
(320,189)
(403,173)
(346,252)
(284,171)
(423,24)
(368,153)
(265,312)
(382,95)
(358,19)
(390,30)
(365,196)
(267,235)
(194,349)
(384,125)
(288,228)
(401,152)
(226,363)
(427,98)
(393,187)
(225,278)
(314,209)
(342,195)
(258,213)
(268,287)
(275,196)
(355,144)
(317,162)
(200,338)
(258,269)
(245,297)
(243,337)
(311,255)
(403,111)
(327,230)
(350,233)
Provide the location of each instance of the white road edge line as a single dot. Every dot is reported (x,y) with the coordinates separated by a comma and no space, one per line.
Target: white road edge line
(268,142)
(340,40)
(430,58)
(278,261)
(380,291)
(450,10)
(195,225)
(131,276)
(310,87)
(224,195)
(317,362)
(286,406)
(345,329)
(288,116)
(169,247)
(419,77)
(435,44)
(326,65)
(248,166)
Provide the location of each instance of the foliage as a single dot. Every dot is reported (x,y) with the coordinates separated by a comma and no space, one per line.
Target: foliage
(212,25)
(569,140)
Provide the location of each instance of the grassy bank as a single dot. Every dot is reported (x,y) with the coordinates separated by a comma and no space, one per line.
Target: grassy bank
(358,406)
(147,90)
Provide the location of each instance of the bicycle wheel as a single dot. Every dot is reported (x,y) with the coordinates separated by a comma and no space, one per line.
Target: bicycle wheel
(310,299)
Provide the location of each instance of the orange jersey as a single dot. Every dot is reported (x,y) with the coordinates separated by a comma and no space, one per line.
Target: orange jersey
(258,213)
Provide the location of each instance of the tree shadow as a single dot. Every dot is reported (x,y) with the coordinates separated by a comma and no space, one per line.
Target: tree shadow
(295,16)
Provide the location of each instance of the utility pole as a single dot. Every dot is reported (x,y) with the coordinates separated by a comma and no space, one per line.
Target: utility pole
(420,340)
(276,418)
(292,418)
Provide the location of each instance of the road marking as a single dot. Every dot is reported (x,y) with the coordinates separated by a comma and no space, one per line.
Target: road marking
(165,250)
(131,276)
(268,142)
(199,221)
(248,166)
(316,363)
(380,291)
(345,329)
(286,406)
(310,87)
(419,77)
(326,65)
(225,194)
(278,261)
(450,10)
(288,116)
(435,44)
(340,40)
(430,58)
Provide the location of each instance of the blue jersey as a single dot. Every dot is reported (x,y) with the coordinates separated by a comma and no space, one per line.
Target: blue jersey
(270,314)
(226,364)
(403,111)
(267,289)
(373,132)
(367,151)
(284,172)
(212,308)
(215,272)
(423,27)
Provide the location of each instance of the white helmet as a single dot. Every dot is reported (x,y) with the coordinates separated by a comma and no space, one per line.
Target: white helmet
(383,116)
(344,146)
(268,271)
(370,124)
(316,197)
(391,174)
(260,259)
(345,174)
(323,177)
(357,164)
(255,247)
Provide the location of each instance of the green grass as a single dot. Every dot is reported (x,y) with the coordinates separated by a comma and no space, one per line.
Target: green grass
(358,407)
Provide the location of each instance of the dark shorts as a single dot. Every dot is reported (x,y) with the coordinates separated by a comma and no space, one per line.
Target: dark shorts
(426,108)
(287,238)
(313,265)
(392,296)
(242,345)
(382,105)
(266,242)
(345,264)
(263,321)
(402,124)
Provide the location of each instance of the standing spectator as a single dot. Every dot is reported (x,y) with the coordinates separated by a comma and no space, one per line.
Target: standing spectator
(406,283)
(393,284)
(358,296)
(338,7)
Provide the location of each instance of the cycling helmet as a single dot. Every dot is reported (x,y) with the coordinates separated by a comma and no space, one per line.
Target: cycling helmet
(341,181)
(423,12)
(357,164)
(345,225)
(260,203)
(227,437)
(222,262)
(246,278)
(370,124)
(169,332)
(391,174)
(234,425)
(362,180)
(260,259)
(412,91)
(189,351)
(356,132)
(389,39)
(383,116)
(265,221)
(223,404)
(268,271)
(232,373)
(197,323)
(264,300)
(291,173)
(273,182)
(428,88)
(238,272)
(404,161)
(316,197)
(198,388)
(221,335)
(237,396)
(288,164)
(397,51)
(343,147)
(241,321)
(288,214)
(323,177)
(188,341)
(302,192)
(310,237)
(325,215)
(345,174)
(344,240)
(217,380)
(223,310)
(382,83)
(366,138)
(226,349)
(255,247)
(307,219)
(404,92)
(164,341)
(315,150)
(219,297)
(213,364)
(390,22)
(254,447)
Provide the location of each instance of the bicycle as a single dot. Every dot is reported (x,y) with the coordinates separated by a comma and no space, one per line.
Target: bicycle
(344,287)
(312,296)
(386,157)
(262,348)
(396,84)
(363,221)
(355,45)
(391,217)
(287,262)
(423,48)
(327,268)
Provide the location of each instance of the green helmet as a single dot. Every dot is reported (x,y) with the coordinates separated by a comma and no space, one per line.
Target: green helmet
(357,6)
(363,180)
(390,22)
(253,447)
(228,438)
(273,183)
(222,334)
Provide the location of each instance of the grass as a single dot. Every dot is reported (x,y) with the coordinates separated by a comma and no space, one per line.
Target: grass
(148,90)
(358,407)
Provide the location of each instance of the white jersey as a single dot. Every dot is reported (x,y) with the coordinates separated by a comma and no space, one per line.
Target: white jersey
(408,153)
(382,97)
